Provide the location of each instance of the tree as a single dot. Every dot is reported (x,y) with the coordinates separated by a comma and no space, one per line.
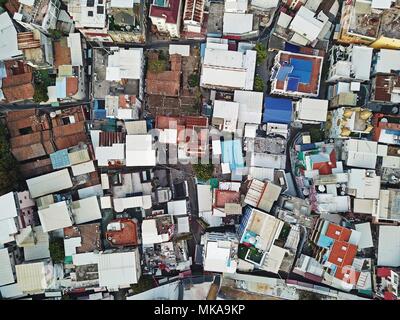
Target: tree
(55,34)
(145,283)
(41,81)
(40,94)
(157,66)
(309,295)
(259,84)
(261,52)
(56,248)
(194,80)
(10,177)
(204,171)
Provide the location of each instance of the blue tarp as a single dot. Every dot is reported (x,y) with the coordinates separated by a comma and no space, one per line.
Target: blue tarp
(232,154)
(293,84)
(301,69)
(60,159)
(277,110)
(292,48)
(324,241)
(283,72)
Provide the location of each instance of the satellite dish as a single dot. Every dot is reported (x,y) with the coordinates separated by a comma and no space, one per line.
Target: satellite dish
(52,114)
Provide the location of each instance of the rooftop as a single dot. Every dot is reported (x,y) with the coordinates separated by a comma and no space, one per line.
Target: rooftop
(122,232)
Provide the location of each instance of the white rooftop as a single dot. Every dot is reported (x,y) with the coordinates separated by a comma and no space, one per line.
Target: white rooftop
(55,216)
(237,23)
(31,277)
(119,269)
(389,246)
(87,16)
(8,38)
(49,183)
(6,273)
(361,153)
(75,46)
(312,110)
(366,235)
(387,60)
(228,111)
(204,197)
(183,50)
(250,106)
(105,154)
(306,25)
(139,151)
(86,210)
(177,207)
(125,64)
(361,62)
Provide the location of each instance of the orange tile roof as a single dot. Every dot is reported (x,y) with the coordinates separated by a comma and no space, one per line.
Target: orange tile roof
(19,92)
(62,54)
(124,237)
(72,86)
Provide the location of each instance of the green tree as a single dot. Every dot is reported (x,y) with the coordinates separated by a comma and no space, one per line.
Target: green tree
(40,94)
(203,171)
(309,295)
(261,52)
(10,177)
(55,34)
(56,248)
(145,283)
(194,80)
(259,84)
(157,66)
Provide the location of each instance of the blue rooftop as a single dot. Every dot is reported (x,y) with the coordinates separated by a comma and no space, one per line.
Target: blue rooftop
(277,110)
(232,153)
(301,69)
(60,159)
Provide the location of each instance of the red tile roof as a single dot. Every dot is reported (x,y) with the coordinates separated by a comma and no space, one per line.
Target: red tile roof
(171,13)
(383,272)
(124,237)
(226,196)
(337,232)
(72,86)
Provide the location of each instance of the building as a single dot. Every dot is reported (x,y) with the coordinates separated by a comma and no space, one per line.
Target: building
(360,153)
(229,70)
(297,75)
(139,151)
(6,269)
(277,110)
(90,18)
(17,81)
(359,23)
(306,23)
(262,195)
(387,283)
(260,234)
(126,66)
(345,122)
(8,38)
(335,262)
(386,129)
(250,107)
(220,252)
(33,278)
(385,89)
(127,21)
(38,14)
(166,16)
(350,63)
(239,25)
(8,218)
(55,216)
(122,232)
(157,230)
(389,31)
(49,183)
(311,110)
(37,49)
(225,115)
(165,83)
(193,17)
(389,242)
(386,62)
(119,269)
